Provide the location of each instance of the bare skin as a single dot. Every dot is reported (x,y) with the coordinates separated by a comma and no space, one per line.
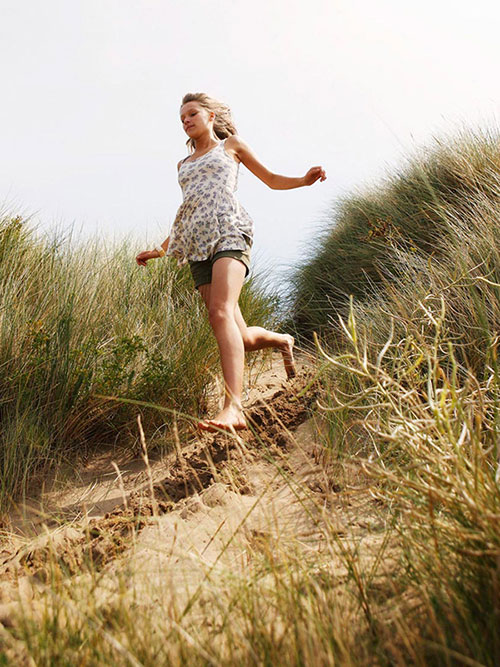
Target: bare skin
(234,337)
(221,295)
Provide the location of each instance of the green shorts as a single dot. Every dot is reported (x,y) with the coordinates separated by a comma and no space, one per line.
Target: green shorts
(202,271)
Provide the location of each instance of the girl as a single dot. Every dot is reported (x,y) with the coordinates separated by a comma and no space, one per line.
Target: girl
(214,233)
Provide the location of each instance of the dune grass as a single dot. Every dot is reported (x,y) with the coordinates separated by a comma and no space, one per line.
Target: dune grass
(417,209)
(426,431)
(79,322)
(411,393)
(285,598)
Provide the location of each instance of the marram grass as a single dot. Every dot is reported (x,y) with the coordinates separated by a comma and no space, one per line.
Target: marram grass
(430,207)
(427,432)
(403,294)
(409,393)
(80,322)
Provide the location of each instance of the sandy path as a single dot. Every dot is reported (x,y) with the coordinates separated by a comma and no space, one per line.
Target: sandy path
(219,504)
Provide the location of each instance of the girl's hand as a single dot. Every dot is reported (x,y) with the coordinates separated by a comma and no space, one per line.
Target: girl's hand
(241,152)
(314,174)
(144,256)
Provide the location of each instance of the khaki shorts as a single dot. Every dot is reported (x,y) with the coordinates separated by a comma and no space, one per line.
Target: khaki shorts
(202,271)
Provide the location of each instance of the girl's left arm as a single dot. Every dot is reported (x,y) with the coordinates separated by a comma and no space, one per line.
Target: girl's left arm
(236,147)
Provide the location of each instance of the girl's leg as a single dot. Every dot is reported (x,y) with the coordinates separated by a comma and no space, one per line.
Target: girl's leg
(258,338)
(221,298)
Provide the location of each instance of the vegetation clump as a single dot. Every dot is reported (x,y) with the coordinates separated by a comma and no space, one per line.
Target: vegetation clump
(427,211)
(382,539)
(411,392)
(81,325)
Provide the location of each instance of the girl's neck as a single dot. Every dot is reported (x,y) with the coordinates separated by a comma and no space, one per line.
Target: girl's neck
(205,143)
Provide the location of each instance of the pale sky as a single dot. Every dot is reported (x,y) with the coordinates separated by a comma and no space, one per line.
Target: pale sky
(89,120)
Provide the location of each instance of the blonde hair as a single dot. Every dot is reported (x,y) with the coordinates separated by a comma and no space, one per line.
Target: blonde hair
(223,122)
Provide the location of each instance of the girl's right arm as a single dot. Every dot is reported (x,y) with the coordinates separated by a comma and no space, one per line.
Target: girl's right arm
(143,257)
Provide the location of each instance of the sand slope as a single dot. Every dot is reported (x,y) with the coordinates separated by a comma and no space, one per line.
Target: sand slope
(174,533)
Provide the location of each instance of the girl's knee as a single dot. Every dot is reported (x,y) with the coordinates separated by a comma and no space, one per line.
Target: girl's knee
(218,314)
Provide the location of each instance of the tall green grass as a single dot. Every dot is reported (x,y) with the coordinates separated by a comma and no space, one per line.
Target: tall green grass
(80,322)
(420,209)
(426,431)
(412,393)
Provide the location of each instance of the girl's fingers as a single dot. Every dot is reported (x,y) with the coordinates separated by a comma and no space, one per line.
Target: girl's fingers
(142,258)
(321,173)
(316,173)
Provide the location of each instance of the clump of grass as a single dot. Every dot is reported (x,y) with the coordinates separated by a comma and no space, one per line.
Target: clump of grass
(80,322)
(404,294)
(431,433)
(417,210)
(278,611)
(428,451)
(414,392)
(410,394)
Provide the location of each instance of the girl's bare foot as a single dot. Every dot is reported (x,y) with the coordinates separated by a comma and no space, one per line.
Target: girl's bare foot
(229,419)
(287,352)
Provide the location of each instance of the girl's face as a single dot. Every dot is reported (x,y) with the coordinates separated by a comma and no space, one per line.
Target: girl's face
(196,120)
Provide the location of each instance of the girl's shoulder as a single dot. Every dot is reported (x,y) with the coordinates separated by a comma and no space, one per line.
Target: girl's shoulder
(232,145)
(233,141)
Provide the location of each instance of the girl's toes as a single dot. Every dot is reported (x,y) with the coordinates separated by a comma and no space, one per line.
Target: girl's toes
(288,360)
(205,426)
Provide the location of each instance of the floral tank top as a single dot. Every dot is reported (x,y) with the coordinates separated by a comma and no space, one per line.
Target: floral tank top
(210,218)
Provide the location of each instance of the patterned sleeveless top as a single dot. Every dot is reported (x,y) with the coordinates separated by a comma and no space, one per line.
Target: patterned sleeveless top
(210,218)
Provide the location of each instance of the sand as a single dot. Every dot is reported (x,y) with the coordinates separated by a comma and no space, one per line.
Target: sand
(209,510)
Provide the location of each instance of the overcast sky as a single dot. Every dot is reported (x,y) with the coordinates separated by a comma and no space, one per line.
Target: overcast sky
(89,120)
